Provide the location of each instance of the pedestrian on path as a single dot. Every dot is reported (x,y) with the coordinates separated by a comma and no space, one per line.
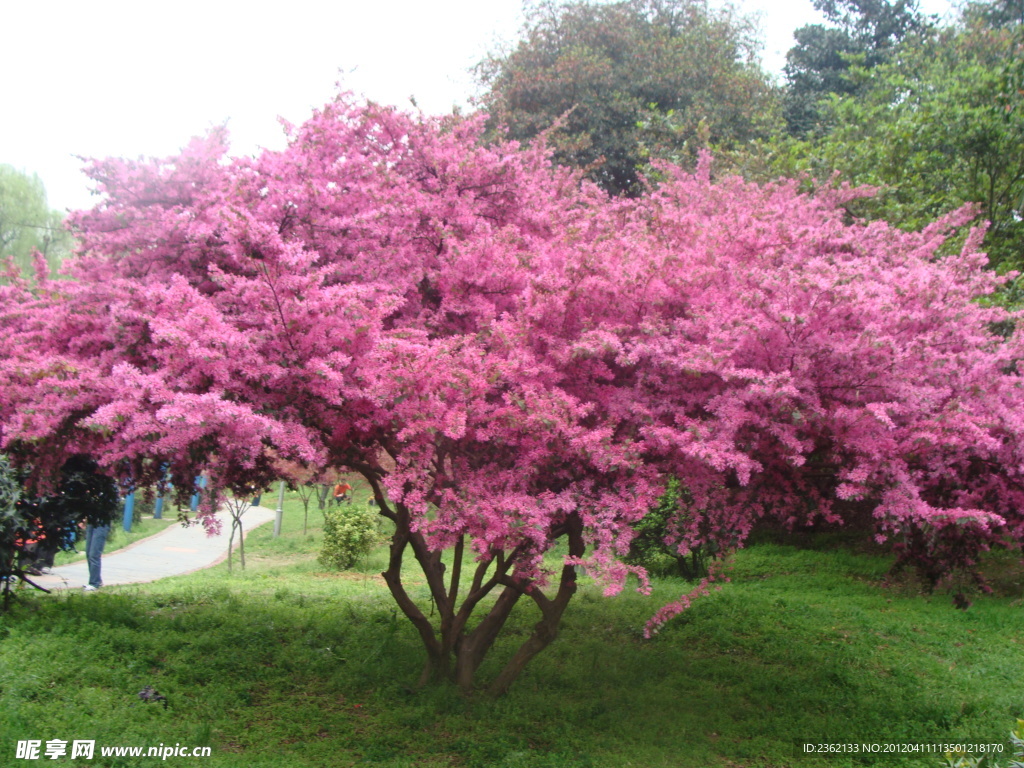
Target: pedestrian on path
(95,541)
(173,551)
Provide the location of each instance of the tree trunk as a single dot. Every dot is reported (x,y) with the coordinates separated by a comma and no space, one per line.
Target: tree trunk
(546,630)
(393,578)
(241,542)
(472,648)
(452,652)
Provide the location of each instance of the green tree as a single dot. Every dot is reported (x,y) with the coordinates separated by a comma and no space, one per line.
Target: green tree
(1001,13)
(11,520)
(862,33)
(638,79)
(651,547)
(940,125)
(26,222)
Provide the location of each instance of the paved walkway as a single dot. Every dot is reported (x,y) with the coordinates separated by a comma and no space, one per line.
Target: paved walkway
(171,552)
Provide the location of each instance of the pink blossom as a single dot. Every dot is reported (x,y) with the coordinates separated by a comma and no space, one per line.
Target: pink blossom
(508,356)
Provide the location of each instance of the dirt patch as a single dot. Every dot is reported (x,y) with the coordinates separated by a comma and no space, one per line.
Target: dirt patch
(376,578)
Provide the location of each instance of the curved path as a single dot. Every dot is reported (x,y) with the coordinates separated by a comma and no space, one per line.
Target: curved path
(171,552)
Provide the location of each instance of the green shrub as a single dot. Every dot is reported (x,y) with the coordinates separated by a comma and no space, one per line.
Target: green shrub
(648,548)
(349,533)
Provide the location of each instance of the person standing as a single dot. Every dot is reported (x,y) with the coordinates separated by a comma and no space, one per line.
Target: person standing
(84,497)
(95,541)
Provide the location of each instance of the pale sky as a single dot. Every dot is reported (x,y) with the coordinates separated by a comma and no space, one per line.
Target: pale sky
(131,78)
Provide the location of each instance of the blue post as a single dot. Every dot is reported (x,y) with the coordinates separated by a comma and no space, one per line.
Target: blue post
(158,510)
(129,511)
(200,483)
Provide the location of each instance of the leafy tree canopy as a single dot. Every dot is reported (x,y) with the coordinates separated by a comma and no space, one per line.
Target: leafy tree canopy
(79,494)
(862,33)
(512,359)
(996,13)
(27,224)
(938,125)
(642,78)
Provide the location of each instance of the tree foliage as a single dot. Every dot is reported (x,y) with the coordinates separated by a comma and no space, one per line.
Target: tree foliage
(862,33)
(512,359)
(654,543)
(27,224)
(10,516)
(635,79)
(941,126)
(938,125)
(995,13)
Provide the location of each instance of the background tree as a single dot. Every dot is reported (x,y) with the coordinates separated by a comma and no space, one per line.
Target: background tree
(11,521)
(996,13)
(654,545)
(515,362)
(309,483)
(864,33)
(26,222)
(642,78)
(237,507)
(941,126)
(938,125)
(307,490)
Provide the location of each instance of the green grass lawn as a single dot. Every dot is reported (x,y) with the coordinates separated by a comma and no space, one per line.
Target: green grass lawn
(288,665)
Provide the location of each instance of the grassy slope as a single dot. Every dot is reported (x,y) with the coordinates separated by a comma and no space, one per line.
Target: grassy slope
(287,665)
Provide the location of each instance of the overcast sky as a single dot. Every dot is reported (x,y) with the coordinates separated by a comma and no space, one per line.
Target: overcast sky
(131,78)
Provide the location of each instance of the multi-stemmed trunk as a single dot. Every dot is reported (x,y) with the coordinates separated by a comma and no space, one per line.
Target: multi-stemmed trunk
(453,651)
(236,508)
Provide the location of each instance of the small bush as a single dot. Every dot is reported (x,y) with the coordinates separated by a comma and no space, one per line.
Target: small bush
(349,533)
(648,548)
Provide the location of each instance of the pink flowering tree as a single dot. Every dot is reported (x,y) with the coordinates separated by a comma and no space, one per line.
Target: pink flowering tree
(513,360)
